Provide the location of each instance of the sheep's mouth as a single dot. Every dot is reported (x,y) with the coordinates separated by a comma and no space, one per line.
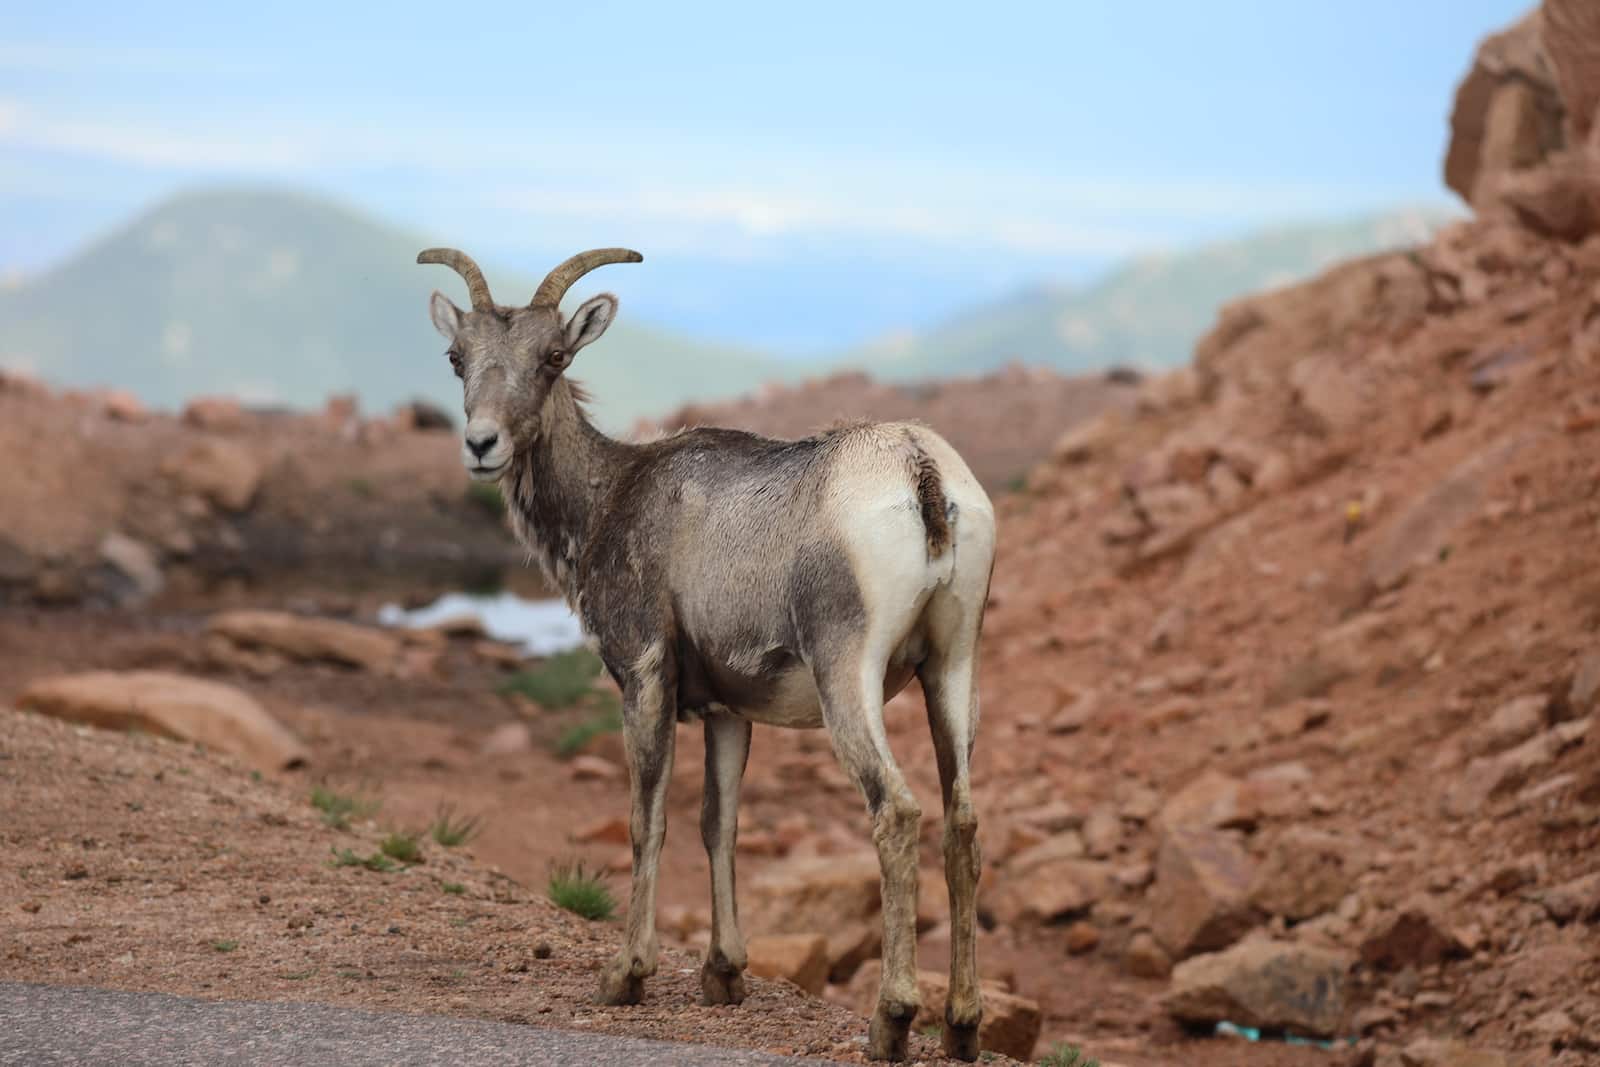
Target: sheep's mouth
(487,472)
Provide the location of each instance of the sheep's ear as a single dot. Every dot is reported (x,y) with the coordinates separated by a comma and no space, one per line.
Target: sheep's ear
(590,320)
(446,316)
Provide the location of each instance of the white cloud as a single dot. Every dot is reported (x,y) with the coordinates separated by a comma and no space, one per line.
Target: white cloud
(709,197)
(42,57)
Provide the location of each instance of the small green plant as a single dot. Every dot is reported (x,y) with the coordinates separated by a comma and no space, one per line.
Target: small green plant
(299,976)
(1017,483)
(1065,1055)
(579,734)
(407,848)
(559,681)
(449,831)
(339,808)
(486,496)
(345,857)
(224,945)
(362,488)
(580,891)
(932,1030)
(453,888)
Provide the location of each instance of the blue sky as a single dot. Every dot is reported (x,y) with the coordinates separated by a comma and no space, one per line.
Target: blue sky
(799,176)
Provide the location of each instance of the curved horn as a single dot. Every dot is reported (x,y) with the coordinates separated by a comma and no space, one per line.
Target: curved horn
(462,264)
(558,281)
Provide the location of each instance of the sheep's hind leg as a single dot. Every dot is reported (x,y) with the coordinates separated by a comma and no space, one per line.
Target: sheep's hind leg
(949,682)
(727,749)
(648,717)
(852,710)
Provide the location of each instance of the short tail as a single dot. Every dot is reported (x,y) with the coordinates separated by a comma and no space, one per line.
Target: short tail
(937,511)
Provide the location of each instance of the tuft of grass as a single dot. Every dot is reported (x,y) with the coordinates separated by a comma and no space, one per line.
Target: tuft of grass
(486,497)
(362,488)
(1065,1055)
(453,888)
(581,892)
(559,681)
(339,808)
(449,831)
(407,848)
(579,734)
(224,945)
(1017,483)
(345,857)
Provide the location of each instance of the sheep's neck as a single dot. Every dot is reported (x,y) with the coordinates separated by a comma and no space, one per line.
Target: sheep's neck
(556,486)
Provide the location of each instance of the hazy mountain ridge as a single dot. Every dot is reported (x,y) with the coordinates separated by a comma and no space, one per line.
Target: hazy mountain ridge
(1146,313)
(284,297)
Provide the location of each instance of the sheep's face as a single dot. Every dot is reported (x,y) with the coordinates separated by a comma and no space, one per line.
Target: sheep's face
(508,359)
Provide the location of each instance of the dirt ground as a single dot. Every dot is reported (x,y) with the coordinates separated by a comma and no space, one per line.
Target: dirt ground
(132,859)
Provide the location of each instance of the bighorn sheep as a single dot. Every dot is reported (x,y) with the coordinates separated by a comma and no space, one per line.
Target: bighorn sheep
(739,579)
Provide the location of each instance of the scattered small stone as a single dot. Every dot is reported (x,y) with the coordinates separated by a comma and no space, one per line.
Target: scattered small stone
(612,831)
(1412,935)
(1306,873)
(798,958)
(1082,937)
(587,768)
(1145,958)
(1102,832)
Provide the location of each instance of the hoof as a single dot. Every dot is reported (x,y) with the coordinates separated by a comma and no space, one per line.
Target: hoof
(619,985)
(720,987)
(961,1042)
(889,1034)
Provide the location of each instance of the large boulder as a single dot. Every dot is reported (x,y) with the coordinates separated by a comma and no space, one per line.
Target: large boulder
(305,638)
(1200,900)
(1263,983)
(170,705)
(1570,35)
(1507,112)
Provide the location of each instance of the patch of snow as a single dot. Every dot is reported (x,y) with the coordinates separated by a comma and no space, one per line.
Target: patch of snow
(541,627)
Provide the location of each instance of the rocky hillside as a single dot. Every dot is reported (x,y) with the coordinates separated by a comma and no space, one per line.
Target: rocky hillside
(1298,664)
(108,503)
(1002,423)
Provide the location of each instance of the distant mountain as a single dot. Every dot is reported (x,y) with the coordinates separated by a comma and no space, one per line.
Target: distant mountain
(1148,313)
(284,298)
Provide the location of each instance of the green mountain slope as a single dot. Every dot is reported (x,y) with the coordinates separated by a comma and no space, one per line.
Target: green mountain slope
(285,298)
(1148,313)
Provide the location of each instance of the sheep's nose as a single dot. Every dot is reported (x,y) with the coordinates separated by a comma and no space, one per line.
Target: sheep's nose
(480,443)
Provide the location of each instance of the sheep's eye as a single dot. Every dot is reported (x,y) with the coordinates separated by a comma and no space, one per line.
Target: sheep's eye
(455,362)
(559,357)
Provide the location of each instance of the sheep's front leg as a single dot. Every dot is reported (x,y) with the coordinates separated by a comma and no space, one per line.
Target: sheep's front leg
(648,715)
(727,749)
(852,711)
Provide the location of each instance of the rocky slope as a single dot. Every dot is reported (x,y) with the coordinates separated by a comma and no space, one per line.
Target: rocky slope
(108,503)
(1002,423)
(1301,656)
